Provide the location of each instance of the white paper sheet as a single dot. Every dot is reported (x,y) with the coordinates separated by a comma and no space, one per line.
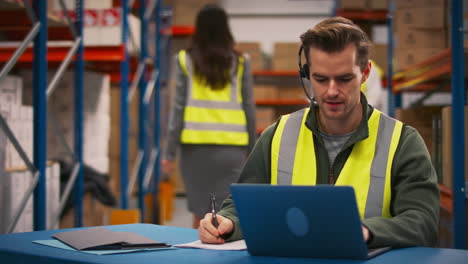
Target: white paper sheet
(236,245)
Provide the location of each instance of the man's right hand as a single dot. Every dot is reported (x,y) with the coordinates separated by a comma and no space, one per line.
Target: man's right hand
(208,233)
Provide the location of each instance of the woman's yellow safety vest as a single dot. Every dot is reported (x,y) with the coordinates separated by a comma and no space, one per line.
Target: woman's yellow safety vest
(367,169)
(213,116)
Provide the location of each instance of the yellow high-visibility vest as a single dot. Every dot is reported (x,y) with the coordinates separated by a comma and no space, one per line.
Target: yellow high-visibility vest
(367,169)
(213,116)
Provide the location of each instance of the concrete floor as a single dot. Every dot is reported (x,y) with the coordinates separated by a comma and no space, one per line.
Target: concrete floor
(182,217)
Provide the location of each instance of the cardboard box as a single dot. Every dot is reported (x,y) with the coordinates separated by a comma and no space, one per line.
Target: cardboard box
(285,56)
(379,56)
(114,144)
(94,214)
(253,51)
(291,92)
(265,116)
(401,4)
(265,92)
(184,12)
(421,38)
(421,119)
(420,17)
(353,4)
(447,166)
(407,57)
(115,103)
(378,4)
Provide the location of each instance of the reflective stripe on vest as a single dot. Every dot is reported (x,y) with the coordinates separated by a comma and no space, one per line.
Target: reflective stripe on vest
(213,116)
(367,169)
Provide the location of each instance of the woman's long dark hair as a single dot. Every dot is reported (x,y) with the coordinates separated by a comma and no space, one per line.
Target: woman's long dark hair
(212,46)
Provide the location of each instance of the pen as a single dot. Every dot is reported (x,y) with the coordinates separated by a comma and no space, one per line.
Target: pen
(213,210)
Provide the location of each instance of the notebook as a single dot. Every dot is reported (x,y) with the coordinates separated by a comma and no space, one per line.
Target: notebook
(301,221)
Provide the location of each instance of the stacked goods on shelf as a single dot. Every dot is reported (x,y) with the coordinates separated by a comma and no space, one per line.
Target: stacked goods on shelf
(103,24)
(61,105)
(96,123)
(114,146)
(285,56)
(364,4)
(16,178)
(265,115)
(254,53)
(446,214)
(185,11)
(421,30)
(421,118)
(20,120)
(447,145)
(353,4)
(13,186)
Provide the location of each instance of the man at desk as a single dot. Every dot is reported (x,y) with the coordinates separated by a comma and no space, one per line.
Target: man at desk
(335,140)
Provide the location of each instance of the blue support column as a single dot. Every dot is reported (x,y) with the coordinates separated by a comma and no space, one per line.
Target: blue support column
(143,109)
(458,125)
(157,100)
(393,100)
(78,133)
(40,115)
(124,119)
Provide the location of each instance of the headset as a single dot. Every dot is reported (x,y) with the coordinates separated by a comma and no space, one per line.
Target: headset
(304,73)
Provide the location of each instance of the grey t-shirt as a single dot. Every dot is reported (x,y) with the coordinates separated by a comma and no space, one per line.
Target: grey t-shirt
(334,144)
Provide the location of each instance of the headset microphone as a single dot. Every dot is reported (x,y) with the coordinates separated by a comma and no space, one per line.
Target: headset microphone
(304,73)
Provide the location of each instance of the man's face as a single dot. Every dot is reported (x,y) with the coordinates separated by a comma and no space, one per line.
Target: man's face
(336,81)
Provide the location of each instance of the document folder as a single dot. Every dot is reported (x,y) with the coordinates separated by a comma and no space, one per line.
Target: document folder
(101,238)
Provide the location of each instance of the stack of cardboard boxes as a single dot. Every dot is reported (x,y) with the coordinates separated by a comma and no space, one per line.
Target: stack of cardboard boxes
(254,53)
(364,4)
(15,177)
(421,30)
(185,11)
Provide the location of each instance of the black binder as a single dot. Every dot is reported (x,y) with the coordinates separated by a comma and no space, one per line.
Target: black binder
(101,238)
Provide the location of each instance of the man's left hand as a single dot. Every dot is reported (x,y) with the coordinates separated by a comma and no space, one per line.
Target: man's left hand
(365,233)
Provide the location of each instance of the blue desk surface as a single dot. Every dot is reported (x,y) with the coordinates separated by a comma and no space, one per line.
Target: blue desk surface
(19,248)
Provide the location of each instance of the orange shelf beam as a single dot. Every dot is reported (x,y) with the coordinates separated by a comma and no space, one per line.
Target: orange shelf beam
(57,54)
(179,31)
(275,73)
(439,71)
(356,14)
(283,102)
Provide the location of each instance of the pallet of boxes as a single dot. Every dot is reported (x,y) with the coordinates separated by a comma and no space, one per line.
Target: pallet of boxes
(420,30)
(265,115)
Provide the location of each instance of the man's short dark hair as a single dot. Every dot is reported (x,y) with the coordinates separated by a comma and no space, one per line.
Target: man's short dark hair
(334,35)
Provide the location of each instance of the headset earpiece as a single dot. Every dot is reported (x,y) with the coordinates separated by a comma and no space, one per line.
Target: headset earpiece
(304,71)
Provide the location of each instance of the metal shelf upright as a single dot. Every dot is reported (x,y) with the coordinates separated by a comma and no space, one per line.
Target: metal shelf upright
(157,103)
(124,115)
(40,115)
(147,160)
(458,124)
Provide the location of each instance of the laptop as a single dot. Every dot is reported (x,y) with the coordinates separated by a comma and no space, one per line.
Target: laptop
(301,221)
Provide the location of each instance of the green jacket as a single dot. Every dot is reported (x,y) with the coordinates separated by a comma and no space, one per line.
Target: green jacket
(415,193)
